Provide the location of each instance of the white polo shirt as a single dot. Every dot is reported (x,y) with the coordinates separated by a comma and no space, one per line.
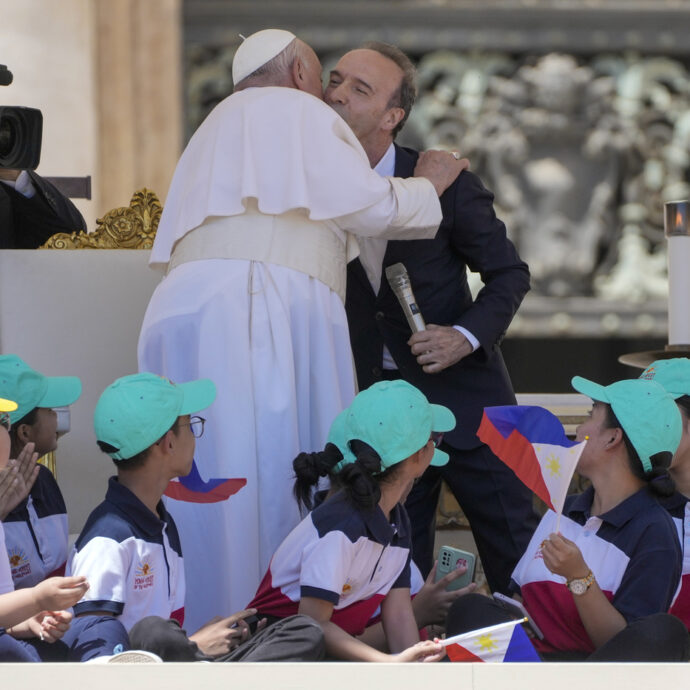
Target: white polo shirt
(349,558)
(36,533)
(131,558)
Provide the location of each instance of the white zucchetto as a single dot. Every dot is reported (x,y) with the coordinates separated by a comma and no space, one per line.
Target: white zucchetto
(258,49)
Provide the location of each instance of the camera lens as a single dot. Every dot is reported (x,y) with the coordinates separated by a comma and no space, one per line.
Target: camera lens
(8,136)
(20,137)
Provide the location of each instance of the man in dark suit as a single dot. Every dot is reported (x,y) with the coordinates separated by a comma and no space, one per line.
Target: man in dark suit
(456,361)
(32,210)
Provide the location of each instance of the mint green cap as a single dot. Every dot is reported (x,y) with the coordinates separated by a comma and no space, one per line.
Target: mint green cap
(137,410)
(336,436)
(648,414)
(672,374)
(396,420)
(30,389)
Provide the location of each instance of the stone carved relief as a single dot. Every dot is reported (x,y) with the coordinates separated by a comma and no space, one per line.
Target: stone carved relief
(581,157)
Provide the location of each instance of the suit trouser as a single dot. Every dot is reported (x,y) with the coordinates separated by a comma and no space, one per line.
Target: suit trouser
(297,638)
(659,637)
(496,503)
(88,637)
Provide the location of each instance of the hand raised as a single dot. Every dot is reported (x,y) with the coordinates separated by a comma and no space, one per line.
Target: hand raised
(57,593)
(432,602)
(563,557)
(17,479)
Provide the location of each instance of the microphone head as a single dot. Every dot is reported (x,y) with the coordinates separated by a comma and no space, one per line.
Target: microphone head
(396,274)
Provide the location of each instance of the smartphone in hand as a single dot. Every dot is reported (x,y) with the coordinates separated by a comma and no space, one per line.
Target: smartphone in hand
(449,559)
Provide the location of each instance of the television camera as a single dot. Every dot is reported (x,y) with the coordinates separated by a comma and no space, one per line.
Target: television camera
(21,130)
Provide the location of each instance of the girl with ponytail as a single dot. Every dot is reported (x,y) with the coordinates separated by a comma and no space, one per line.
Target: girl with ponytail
(351,554)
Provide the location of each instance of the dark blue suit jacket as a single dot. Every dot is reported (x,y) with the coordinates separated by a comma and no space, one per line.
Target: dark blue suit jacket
(469,236)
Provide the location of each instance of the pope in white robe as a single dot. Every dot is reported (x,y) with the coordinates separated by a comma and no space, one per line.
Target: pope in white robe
(257,228)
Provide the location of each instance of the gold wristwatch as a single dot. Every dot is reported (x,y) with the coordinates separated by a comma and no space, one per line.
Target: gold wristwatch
(579,585)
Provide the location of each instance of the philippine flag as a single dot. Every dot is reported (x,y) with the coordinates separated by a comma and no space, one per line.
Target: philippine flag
(532,442)
(504,642)
(193,489)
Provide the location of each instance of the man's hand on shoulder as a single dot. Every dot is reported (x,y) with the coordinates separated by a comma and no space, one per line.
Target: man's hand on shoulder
(441,168)
(439,347)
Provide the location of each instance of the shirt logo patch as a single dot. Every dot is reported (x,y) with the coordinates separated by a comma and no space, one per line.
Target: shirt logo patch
(143,576)
(19,564)
(347,587)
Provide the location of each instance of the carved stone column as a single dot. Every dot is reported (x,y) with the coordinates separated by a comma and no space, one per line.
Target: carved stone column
(138,56)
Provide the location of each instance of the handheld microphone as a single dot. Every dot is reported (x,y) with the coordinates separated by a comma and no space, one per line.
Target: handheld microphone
(399,281)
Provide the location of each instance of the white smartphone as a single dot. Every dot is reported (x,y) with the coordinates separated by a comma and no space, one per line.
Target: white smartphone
(515,608)
(449,559)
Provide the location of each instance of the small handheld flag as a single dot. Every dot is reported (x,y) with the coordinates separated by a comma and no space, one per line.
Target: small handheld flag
(532,442)
(193,489)
(504,642)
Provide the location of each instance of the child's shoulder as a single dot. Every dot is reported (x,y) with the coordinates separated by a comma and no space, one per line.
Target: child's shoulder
(106,522)
(337,514)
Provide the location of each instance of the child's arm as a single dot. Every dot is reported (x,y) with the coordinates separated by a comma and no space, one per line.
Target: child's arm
(55,593)
(398,620)
(342,645)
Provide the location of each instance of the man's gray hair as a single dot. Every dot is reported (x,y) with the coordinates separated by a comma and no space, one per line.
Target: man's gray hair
(405,96)
(275,71)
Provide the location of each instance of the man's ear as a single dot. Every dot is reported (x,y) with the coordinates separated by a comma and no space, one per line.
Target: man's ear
(392,118)
(298,70)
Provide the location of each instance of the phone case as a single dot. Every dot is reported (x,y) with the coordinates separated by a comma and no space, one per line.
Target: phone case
(518,610)
(448,559)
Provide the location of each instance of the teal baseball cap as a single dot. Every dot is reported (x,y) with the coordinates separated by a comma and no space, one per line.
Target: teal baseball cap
(396,420)
(648,414)
(137,410)
(672,374)
(30,389)
(336,436)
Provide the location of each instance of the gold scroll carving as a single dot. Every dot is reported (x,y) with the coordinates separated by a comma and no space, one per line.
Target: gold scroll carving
(131,227)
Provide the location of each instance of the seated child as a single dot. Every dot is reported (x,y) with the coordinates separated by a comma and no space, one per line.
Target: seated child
(35,613)
(431,600)
(615,561)
(129,548)
(36,531)
(351,554)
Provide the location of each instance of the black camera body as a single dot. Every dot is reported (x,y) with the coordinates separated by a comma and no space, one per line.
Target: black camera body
(21,132)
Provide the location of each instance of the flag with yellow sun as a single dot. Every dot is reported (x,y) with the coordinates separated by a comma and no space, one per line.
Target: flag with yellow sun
(532,442)
(505,642)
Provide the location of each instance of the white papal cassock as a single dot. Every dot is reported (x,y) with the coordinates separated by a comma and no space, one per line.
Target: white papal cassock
(256,232)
